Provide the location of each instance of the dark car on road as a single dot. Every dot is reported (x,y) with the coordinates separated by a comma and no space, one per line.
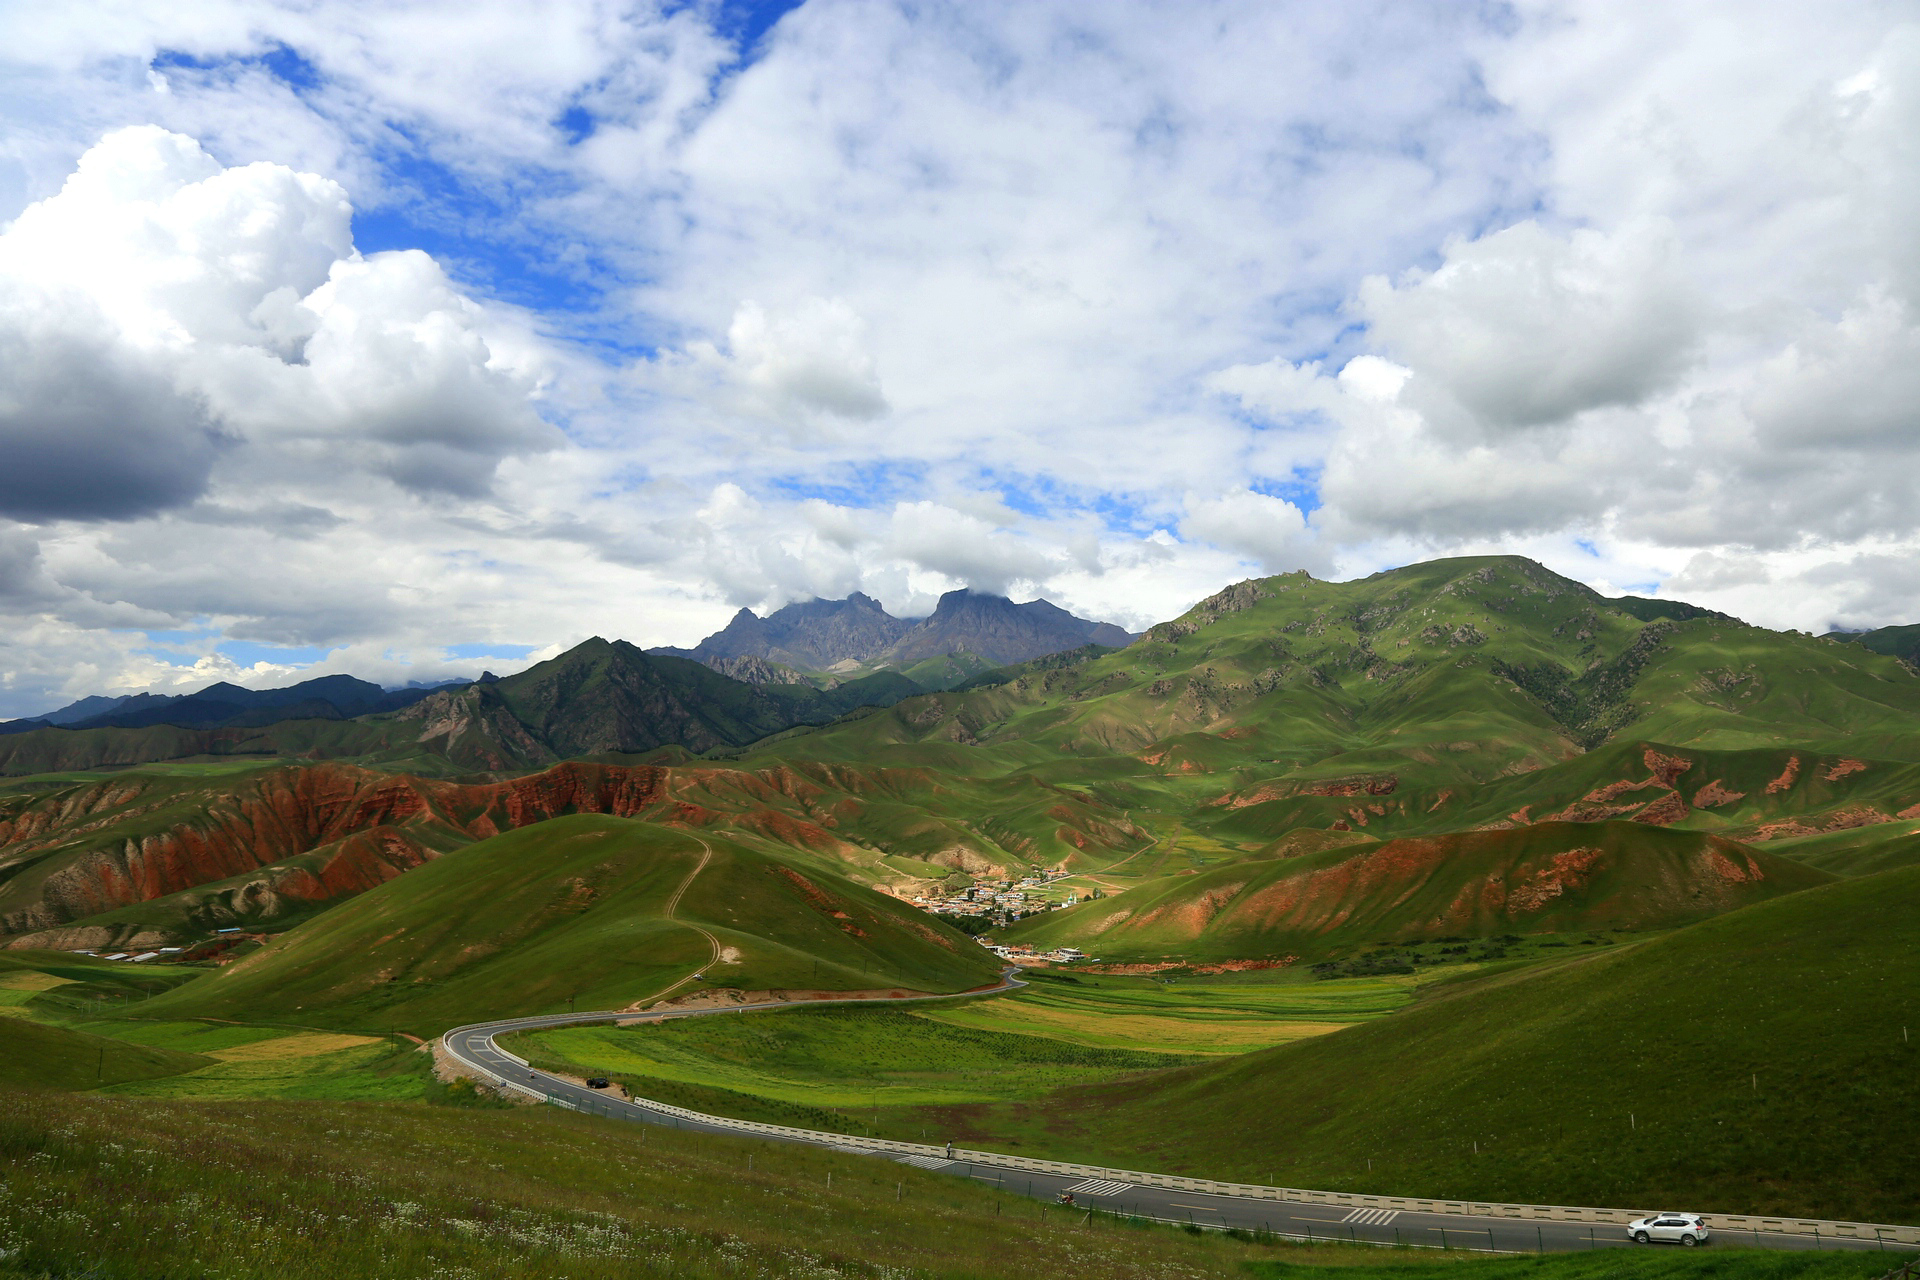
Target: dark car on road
(599,1082)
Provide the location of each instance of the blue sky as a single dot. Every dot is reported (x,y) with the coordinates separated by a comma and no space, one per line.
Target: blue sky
(423,338)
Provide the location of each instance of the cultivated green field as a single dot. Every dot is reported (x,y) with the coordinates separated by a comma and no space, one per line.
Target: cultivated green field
(1206,1015)
(867,1068)
(271,1062)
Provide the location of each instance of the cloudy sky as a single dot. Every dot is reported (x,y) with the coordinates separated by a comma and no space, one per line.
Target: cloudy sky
(407,339)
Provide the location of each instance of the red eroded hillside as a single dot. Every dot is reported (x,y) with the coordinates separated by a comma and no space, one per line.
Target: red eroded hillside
(1553,876)
(307,834)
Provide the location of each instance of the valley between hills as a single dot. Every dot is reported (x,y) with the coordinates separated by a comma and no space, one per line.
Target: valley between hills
(1458,881)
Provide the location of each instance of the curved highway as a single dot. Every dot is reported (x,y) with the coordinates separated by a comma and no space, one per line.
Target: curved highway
(1246,1208)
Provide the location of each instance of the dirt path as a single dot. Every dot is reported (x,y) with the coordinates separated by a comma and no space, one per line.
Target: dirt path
(673,905)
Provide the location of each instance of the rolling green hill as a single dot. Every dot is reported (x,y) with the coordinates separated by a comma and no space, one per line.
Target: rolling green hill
(1895,642)
(576,909)
(1551,877)
(37,1056)
(1470,695)
(1453,672)
(1760,1061)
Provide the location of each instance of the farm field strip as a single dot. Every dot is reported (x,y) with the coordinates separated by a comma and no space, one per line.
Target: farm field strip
(264,1062)
(840,1060)
(1187,1017)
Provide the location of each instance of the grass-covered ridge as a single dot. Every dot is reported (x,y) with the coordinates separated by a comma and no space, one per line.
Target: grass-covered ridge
(37,1056)
(575,910)
(1761,1061)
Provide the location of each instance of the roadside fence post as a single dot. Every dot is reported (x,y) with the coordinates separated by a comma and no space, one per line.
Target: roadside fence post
(1539,1234)
(1443,1236)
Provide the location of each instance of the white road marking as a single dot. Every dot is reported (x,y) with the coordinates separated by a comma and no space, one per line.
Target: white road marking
(1372,1217)
(926,1162)
(1098,1187)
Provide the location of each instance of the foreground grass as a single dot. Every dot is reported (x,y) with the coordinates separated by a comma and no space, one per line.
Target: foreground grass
(119,1190)
(148,1190)
(1612,1264)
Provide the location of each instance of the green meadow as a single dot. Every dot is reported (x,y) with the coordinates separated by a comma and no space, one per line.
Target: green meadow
(157,1189)
(1211,1014)
(866,1068)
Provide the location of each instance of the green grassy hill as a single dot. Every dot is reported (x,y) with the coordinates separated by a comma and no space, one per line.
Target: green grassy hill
(1895,642)
(1550,877)
(1761,1061)
(576,909)
(34,1055)
(1452,671)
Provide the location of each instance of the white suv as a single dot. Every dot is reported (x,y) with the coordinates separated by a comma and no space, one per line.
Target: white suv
(1688,1228)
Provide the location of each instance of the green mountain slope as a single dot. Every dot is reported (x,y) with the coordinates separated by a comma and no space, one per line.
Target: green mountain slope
(1553,877)
(1455,671)
(576,909)
(1761,1061)
(1768,794)
(1896,642)
(608,696)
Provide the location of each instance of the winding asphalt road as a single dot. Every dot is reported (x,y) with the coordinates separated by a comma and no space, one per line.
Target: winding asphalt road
(474,1046)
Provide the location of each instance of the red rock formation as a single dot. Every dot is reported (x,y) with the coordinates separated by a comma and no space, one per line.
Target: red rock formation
(381,825)
(1666,768)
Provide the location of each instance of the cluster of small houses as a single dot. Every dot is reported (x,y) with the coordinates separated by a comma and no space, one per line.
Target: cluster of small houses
(1021,953)
(1007,898)
(143,956)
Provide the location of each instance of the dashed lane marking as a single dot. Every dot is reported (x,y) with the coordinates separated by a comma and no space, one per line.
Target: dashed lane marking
(1098,1187)
(1372,1217)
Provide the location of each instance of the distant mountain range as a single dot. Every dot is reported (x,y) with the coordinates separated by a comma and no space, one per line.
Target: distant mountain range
(226,705)
(856,634)
(600,697)
(1896,642)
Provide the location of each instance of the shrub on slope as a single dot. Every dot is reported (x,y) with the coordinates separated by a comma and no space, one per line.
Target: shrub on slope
(1762,1061)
